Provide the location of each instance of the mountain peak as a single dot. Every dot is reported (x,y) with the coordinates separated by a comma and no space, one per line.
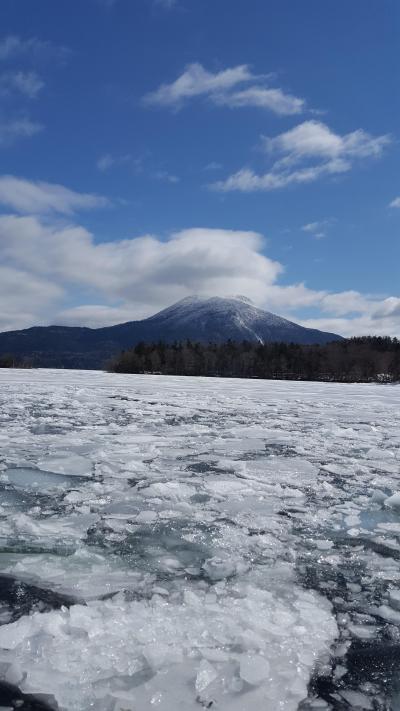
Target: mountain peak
(240,297)
(202,298)
(222,318)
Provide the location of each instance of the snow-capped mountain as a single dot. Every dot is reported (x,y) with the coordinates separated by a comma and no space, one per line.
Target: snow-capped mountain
(196,318)
(235,318)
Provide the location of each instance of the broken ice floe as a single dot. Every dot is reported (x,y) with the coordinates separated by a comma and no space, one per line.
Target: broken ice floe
(217,543)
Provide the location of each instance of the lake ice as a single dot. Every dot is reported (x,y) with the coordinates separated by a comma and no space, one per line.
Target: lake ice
(187,543)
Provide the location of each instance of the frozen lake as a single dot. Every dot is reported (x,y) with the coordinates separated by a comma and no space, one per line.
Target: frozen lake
(185,543)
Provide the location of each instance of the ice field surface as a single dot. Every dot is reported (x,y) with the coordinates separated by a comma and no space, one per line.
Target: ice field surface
(186,543)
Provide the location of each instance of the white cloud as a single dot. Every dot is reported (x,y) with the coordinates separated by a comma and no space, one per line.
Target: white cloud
(38,197)
(134,277)
(313,226)
(26,83)
(363,325)
(25,298)
(12,46)
(142,268)
(94,315)
(247,181)
(105,162)
(108,161)
(318,229)
(166,177)
(388,307)
(142,274)
(314,139)
(11,129)
(272,99)
(306,153)
(195,81)
(395,202)
(219,88)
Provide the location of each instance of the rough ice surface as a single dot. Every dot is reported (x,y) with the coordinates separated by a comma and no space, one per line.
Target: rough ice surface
(187,543)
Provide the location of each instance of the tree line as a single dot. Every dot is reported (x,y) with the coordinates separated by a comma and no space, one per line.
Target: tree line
(10,361)
(365,359)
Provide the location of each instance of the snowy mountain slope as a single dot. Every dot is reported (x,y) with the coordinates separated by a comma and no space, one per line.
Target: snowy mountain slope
(201,319)
(218,319)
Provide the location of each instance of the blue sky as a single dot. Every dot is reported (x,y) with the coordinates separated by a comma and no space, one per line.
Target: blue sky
(151,149)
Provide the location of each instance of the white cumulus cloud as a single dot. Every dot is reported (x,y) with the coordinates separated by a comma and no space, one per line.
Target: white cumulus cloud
(26,299)
(304,154)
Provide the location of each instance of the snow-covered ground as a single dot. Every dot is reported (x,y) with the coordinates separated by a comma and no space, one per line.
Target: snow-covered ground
(187,543)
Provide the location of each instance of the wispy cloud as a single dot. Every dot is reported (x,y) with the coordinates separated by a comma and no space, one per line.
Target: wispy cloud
(29,84)
(213,166)
(17,86)
(105,162)
(166,177)
(274,100)
(27,196)
(14,46)
(108,161)
(395,202)
(137,166)
(11,129)
(305,153)
(196,81)
(220,89)
(166,4)
(317,229)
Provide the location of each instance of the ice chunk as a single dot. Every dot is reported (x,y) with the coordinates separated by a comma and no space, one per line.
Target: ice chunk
(393,501)
(219,568)
(357,700)
(36,479)
(205,675)
(146,517)
(388,614)
(254,668)
(378,496)
(394,599)
(14,674)
(71,465)
(363,631)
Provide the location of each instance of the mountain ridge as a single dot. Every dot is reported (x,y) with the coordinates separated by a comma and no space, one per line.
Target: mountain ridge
(202,319)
